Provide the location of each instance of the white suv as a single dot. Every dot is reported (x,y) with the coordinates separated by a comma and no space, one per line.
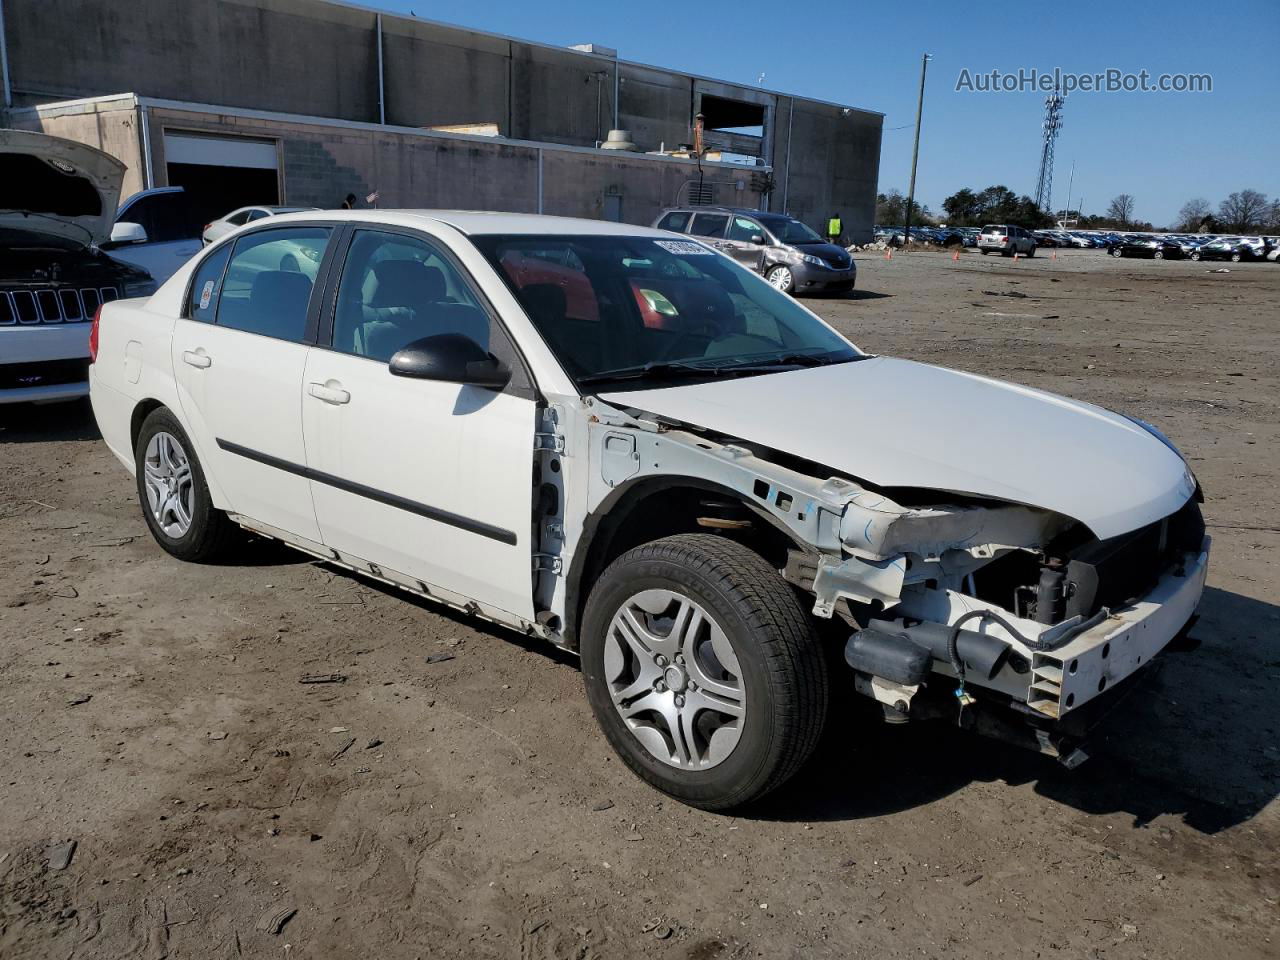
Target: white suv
(1007,240)
(629,445)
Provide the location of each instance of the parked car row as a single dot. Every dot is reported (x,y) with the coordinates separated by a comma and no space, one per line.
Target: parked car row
(1164,246)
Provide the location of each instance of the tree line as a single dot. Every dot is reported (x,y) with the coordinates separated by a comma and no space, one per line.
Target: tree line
(1243,212)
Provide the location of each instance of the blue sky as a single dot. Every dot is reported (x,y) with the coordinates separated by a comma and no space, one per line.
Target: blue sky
(1163,148)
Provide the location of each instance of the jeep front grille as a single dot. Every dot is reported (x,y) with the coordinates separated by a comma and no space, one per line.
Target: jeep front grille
(30,306)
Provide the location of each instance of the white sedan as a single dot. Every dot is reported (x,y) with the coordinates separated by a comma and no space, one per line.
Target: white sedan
(219,228)
(623,442)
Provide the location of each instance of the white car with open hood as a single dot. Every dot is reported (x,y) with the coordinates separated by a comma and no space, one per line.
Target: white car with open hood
(621,441)
(57,200)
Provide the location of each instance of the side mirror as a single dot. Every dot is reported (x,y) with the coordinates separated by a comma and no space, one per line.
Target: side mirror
(757,238)
(125,232)
(452,358)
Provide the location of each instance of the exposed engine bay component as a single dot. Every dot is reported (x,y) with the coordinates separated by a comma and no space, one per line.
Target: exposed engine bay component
(894,657)
(981,654)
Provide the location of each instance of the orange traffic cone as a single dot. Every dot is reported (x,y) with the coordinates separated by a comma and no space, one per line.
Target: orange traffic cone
(888,254)
(1015,256)
(1054,255)
(955,255)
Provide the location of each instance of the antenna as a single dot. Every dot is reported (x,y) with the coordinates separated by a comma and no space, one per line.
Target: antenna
(1052,126)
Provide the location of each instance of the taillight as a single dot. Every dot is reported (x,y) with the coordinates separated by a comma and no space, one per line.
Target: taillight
(93,335)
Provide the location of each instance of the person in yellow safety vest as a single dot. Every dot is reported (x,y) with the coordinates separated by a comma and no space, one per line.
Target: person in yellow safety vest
(834,228)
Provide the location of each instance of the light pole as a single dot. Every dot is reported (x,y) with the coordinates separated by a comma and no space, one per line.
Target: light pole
(915,151)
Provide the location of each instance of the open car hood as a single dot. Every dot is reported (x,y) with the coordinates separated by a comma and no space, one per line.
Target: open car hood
(896,423)
(51,187)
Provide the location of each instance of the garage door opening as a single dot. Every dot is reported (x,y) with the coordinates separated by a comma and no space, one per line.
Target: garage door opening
(220,174)
(732,116)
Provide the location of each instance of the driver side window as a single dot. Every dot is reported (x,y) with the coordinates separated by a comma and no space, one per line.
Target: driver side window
(397,289)
(743,230)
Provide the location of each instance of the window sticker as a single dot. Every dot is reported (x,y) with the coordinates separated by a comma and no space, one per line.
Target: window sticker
(206,294)
(684,248)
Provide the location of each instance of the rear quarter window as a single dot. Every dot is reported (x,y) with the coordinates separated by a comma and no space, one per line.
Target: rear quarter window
(206,286)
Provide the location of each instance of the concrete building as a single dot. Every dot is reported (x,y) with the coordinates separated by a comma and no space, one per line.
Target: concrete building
(305,101)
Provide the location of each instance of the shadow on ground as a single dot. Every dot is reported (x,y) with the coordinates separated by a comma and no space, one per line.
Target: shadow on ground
(44,422)
(1197,742)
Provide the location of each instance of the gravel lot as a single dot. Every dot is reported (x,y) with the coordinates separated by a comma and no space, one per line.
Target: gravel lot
(467,807)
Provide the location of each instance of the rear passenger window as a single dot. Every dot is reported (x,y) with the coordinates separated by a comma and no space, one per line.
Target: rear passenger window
(397,289)
(268,282)
(710,224)
(675,221)
(202,301)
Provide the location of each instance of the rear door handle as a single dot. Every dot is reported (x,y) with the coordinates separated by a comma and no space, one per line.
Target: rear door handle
(197,358)
(329,392)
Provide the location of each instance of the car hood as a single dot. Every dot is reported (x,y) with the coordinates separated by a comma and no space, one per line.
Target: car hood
(896,423)
(826,251)
(56,205)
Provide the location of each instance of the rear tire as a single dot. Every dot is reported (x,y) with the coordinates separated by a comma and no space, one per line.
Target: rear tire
(1236,257)
(174,495)
(773,660)
(1195,255)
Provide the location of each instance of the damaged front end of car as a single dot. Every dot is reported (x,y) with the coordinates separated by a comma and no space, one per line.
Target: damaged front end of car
(1011,620)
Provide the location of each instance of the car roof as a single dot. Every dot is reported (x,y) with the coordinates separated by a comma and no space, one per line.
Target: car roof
(712,208)
(479,222)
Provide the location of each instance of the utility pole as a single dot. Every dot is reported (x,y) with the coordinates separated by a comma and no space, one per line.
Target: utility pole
(915,151)
(1066,214)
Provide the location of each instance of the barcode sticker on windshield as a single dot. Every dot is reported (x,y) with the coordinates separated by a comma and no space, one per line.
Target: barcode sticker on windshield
(206,294)
(684,248)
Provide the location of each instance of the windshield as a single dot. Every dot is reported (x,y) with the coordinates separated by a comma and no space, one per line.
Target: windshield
(787,230)
(638,308)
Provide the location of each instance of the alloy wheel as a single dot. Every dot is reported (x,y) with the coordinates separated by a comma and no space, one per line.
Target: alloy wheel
(675,680)
(780,277)
(169,484)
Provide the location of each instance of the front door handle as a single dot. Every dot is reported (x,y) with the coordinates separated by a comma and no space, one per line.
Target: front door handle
(197,358)
(330,392)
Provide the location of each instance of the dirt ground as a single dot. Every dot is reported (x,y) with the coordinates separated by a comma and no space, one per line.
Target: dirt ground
(467,807)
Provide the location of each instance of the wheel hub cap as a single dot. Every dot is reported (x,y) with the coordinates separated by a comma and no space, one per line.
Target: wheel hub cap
(675,680)
(169,484)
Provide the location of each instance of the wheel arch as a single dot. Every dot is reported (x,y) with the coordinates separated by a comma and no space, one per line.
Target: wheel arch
(141,410)
(148,405)
(650,508)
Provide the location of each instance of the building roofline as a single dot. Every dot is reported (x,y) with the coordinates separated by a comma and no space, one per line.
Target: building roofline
(89,105)
(584,53)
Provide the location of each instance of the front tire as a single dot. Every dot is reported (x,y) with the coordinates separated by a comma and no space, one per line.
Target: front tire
(703,670)
(1236,257)
(1117,252)
(1158,255)
(782,278)
(1195,255)
(174,495)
